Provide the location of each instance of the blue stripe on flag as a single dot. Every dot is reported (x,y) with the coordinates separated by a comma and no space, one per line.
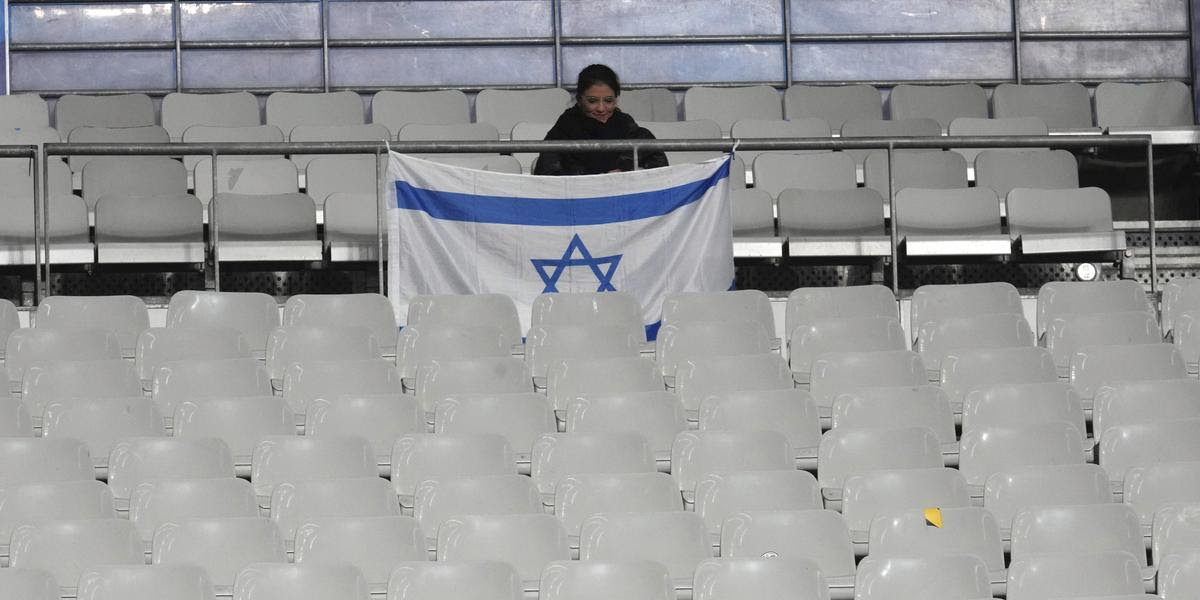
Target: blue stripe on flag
(453,206)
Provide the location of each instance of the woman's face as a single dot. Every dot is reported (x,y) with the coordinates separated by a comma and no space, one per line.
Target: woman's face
(598,102)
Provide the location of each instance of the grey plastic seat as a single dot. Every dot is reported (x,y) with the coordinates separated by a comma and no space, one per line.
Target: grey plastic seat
(722,494)
(703,377)
(1008,492)
(68,213)
(808,304)
(31,460)
(421,456)
(1051,575)
(892,407)
(101,422)
(240,421)
(395,109)
(222,546)
(698,453)
(942,103)
(50,380)
(293,344)
(10,320)
(134,460)
(675,539)
(364,132)
(1178,296)
(875,127)
(286,110)
(26,347)
(368,310)
(149,229)
(439,379)
(1020,404)
(66,548)
(657,416)
(209,133)
(556,455)
(598,580)
(692,129)
(984,452)
(1179,576)
(1063,221)
(232,109)
(351,227)
(869,495)
(528,131)
(938,339)
(757,127)
(282,459)
(678,343)
(570,378)
(305,381)
(14,419)
(1003,171)
(933,303)
(858,334)
(964,370)
(791,412)
(28,584)
(835,104)
(579,496)
(38,503)
(294,503)
(967,530)
(948,577)
(817,535)
(521,418)
(1063,106)
(24,110)
(145,134)
(158,346)
(954,222)
(125,315)
(300,582)
(821,171)
(505,108)
(1079,528)
(847,452)
(650,104)
(779,577)
(1093,366)
(565,309)
(380,418)
(1160,104)
(158,501)
(926,170)
(122,110)
(982,126)
(833,223)
(838,372)
(258,227)
(374,545)
(1122,448)
(250,175)
(1151,487)
(1176,530)
(1186,327)
(495,310)
(1134,402)
(740,305)
(545,346)
(329,174)
(255,315)
(476,580)
(1057,298)
(438,499)
(527,542)
(725,106)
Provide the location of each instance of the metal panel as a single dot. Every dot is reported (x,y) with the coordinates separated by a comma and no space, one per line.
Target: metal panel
(485,66)
(439,19)
(251,21)
(93,70)
(251,69)
(42,23)
(900,16)
(902,61)
(1094,15)
(1105,59)
(681,63)
(678,17)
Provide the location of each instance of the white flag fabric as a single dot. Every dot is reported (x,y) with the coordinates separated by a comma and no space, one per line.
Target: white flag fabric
(648,233)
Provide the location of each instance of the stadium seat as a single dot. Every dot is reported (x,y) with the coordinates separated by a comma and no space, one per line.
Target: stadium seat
(146,134)
(817,535)
(482,580)
(158,228)
(722,494)
(221,546)
(1186,336)
(459,132)
(505,108)
(756,127)
(374,545)
(526,542)
(579,496)
(566,309)
(942,103)
(142,176)
(570,378)
(101,422)
(813,228)
(373,311)
(395,109)
(305,381)
(158,346)
(68,215)
(964,370)
(282,459)
(1122,448)
(144,582)
(304,344)
(704,377)
(529,131)
(38,503)
(267,227)
(880,493)
(351,227)
(1010,491)
(676,539)
(1079,528)
(983,452)
(380,418)
(556,455)
(31,346)
(953,222)
(365,132)
(207,133)
(50,380)
(294,503)
(239,421)
(698,453)
(933,303)
(172,500)
(419,346)
(599,580)
(922,578)
(1020,404)
(66,548)
(818,171)
(834,104)
(892,407)
(286,110)
(1176,530)
(938,339)
(521,418)
(963,530)
(30,460)
(1178,296)
(1064,297)
(439,379)
(847,452)
(725,106)
(232,109)
(1141,105)
(1062,106)
(1050,575)
(544,346)
(1093,366)
(272,581)
(329,174)
(837,372)
(1179,576)
(253,314)
(421,456)
(873,127)
(925,170)
(856,334)
(678,343)
(14,419)
(121,110)
(805,305)
(251,175)
(740,305)
(656,416)
(126,316)
(1004,171)
(24,110)
(438,499)
(134,460)
(981,126)
(778,577)
(650,104)
(1148,488)
(1134,402)
(791,412)
(28,584)
(691,129)
(1062,221)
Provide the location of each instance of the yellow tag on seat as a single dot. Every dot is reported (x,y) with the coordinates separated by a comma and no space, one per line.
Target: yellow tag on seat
(933,517)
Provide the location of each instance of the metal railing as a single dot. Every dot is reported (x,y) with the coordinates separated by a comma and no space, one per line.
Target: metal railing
(377,149)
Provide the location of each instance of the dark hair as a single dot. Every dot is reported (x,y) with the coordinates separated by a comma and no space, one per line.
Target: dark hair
(593,74)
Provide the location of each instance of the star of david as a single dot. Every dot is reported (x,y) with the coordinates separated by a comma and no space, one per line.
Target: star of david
(602,267)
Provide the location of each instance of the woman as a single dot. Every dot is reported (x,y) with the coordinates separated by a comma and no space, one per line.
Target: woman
(595,116)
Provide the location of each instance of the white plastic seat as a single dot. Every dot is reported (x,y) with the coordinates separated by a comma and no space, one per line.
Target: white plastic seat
(1134,402)
(882,408)
(30,460)
(583,308)
(847,452)
(294,503)
(922,170)
(328,175)
(818,171)
(922,578)
(24,110)
(274,227)
(720,495)
(29,346)
(505,108)
(1051,575)
(817,535)
(1010,491)
(700,378)
(217,133)
(418,347)
(833,223)
(47,381)
(983,452)
(124,315)
(146,177)
(1178,296)
(873,494)
(438,499)
(933,303)
(675,539)
(544,346)
(289,109)
(1016,405)
(1157,104)
(14,419)
(527,131)
(352,231)
(836,104)
(475,580)
(521,418)
(577,497)
(291,459)
(306,381)
(741,305)
(650,104)
(1179,576)
(395,109)
(255,315)
(791,412)
(158,501)
(758,127)
(1176,530)
(231,109)
(805,305)
(496,310)
(37,503)
(143,134)
(1062,221)
(1060,105)
(134,460)
(144,582)
(27,584)
(728,105)
(160,345)
(1093,366)
(380,418)
(858,334)
(656,416)
(599,580)
(568,379)
(1004,171)
(700,339)
(101,422)
(176,382)
(1068,334)
(240,422)
(940,338)
(940,102)
(1128,446)
(439,379)
(778,577)
(998,126)
(421,456)
(158,228)
(1079,528)
(556,455)
(1057,298)
(301,344)
(66,548)
(863,127)
(269,581)
(962,530)
(691,129)
(372,311)
(122,110)
(1186,336)
(10,320)
(527,542)
(1151,487)
(834,373)
(221,546)
(965,370)
(954,222)
(698,453)
(374,545)
(364,132)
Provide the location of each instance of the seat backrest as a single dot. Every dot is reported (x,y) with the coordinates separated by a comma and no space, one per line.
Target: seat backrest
(983,452)
(1178,575)
(113,135)
(579,496)
(159,345)
(421,456)
(753,212)
(37,503)
(740,305)
(55,379)
(965,369)
(835,104)
(931,303)
(289,109)
(505,108)
(697,453)
(171,500)
(133,461)
(556,455)
(545,346)
(443,378)
(891,407)
(1010,491)
(268,581)
(375,545)
(24,111)
(584,308)
(1018,404)
(1160,104)
(396,109)
(1051,575)
(759,577)
(1045,169)
(676,539)
(969,126)
(521,418)
(817,535)
(1062,297)
(232,109)
(101,422)
(1059,211)
(122,110)
(890,128)
(260,218)
(598,580)
(294,503)
(650,104)
(942,103)
(178,381)
(858,334)
(702,377)
(1178,296)
(380,418)
(964,530)
(1092,366)
(438,499)
(948,211)
(253,314)
(847,452)
(729,105)
(928,170)
(1132,402)
(14,418)
(527,542)
(808,304)
(240,421)
(937,339)
(254,175)
(365,132)
(125,315)
(66,548)
(657,416)
(28,460)
(135,176)
(482,579)
(305,381)
(1074,528)
(777,171)
(571,377)
(328,175)
(369,310)
(837,372)
(877,493)
(1176,530)
(30,584)
(292,344)
(30,346)
(1148,488)
(789,411)
(678,343)
(1060,105)
(278,459)
(722,494)
(750,128)
(922,578)
(1122,448)
(692,129)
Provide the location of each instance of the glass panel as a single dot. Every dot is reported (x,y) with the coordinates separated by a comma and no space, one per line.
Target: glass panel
(485,66)
(666,64)
(40,23)
(679,17)
(902,61)
(130,70)
(900,16)
(251,21)
(1090,15)
(439,19)
(1104,59)
(251,68)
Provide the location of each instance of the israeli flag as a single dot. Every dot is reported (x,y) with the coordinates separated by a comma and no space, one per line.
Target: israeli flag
(648,233)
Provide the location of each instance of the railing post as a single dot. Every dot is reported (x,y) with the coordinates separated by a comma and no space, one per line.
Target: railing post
(895,237)
(379,215)
(41,234)
(1150,216)
(213,227)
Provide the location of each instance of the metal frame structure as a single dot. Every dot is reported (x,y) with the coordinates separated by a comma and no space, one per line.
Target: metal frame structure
(726,145)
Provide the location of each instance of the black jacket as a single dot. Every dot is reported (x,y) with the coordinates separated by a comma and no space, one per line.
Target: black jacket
(573,124)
